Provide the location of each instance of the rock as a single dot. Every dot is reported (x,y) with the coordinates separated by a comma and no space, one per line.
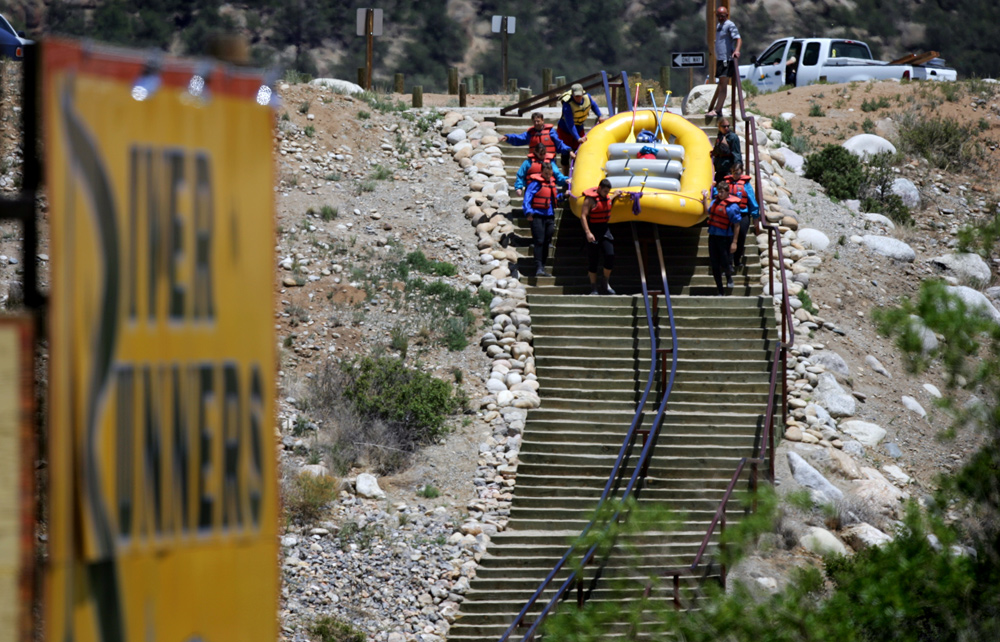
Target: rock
(696,102)
(790,222)
(896,474)
(832,361)
(887,128)
(865,145)
(975,300)
(877,366)
(831,396)
(806,475)
(880,219)
(314,470)
(932,390)
(793,162)
(928,341)
(854,448)
(890,247)
(906,190)
(845,463)
(793,433)
(993,293)
(337,85)
(965,266)
(893,450)
(822,542)
(867,433)
(878,491)
(367,486)
(913,405)
(456,136)
(864,535)
(813,239)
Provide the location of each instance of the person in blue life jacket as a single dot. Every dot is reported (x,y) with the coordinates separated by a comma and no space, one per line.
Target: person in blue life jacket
(723,219)
(533,165)
(577,105)
(540,132)
(741,189)
(539,208)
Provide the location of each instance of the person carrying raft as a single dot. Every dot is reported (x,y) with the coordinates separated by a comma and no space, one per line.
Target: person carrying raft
(595,217)
(577,106)
(540,132)
(539,209)
(723,218)
(533,165)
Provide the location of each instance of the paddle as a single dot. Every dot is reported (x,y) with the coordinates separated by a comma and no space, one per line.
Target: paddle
(631,133)
(659,115)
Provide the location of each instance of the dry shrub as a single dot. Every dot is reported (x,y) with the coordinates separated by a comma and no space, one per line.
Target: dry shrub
(306,496)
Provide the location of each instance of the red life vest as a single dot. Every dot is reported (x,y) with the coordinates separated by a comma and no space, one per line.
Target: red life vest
(544,137)
(601,211)
(738,190)
(536,167)
(646,156)
(717,216)
(545,195)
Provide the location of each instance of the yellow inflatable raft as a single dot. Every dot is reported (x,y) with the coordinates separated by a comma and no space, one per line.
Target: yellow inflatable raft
(670,185)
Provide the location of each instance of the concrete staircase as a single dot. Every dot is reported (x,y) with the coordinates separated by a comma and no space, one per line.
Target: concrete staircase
(592,355)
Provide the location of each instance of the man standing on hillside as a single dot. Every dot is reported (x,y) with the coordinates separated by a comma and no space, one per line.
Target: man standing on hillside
(727,59)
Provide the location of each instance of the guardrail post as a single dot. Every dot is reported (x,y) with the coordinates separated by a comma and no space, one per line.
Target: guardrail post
(452,81)
(398,85)
(418,95)
(463,90)
(512,86)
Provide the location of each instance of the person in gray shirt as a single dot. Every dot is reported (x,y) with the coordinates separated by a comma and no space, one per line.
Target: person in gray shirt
(727,56)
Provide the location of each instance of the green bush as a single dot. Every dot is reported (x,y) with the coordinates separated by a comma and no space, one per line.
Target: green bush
(874,104)
(816,111)
(783,126)
(429,492)
(837,170)
(386,389)
(307,496)
(418,261)
(946,143)
(890,205)
(454,334)
(749,88)
(332,629)
(328,212)
(381,173)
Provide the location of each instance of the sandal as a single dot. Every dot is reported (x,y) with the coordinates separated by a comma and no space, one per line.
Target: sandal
(711,114)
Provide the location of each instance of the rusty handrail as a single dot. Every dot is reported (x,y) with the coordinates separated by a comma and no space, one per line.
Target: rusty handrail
(593,81)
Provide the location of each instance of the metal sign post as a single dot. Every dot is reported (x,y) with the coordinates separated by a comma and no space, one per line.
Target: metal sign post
(369,26)
(504,25)
(688,60)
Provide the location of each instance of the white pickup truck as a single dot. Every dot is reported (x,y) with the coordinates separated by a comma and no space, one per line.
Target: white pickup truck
(801,61)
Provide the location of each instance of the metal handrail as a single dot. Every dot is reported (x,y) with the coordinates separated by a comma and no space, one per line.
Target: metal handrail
(593,81)
(617,472)
(765,451)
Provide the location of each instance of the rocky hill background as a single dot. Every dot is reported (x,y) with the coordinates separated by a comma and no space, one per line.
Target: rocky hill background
(422,39)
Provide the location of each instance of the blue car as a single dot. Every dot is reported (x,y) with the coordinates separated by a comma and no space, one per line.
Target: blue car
(11,42)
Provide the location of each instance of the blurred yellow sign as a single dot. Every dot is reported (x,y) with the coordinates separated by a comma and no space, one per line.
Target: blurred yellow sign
(163,493)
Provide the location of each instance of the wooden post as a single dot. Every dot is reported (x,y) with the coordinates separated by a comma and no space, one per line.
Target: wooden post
(512,85)
(362,76)
(503,48)
(369,46)
(398,85)
(546,78)
(553,102)
(665,79)
(418,94)
(623,104)
(480,85)
(710,39)
(462,94)
(560,80)
(523,94)
(452,81)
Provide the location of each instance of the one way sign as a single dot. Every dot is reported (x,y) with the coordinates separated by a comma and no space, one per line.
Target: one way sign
(687,59)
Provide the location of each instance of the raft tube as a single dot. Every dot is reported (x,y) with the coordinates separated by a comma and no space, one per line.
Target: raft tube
(666,200)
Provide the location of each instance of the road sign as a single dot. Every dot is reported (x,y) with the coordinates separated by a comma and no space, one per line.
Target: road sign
(162,477)
(681,60)
(498,23)
(376,26)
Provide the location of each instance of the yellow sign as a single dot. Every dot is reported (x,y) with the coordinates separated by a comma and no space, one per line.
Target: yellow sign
(163,492)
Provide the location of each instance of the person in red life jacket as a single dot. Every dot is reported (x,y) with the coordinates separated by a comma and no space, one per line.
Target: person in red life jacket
(539,208)
(723,219)
(539,133)
(741,189)
(533,165)
(577,106)
(594,217)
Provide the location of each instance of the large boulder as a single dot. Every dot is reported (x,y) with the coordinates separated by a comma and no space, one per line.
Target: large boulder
(822,490)
(865,145)
(831,396)
(878,492)
(864,535)
(813,239)
(822,542)
(965,266)
(337,85)
(793,162)
(867,433)
(696,102)
(906,190)
(367,486)
(888,246)
(832,361)
(975,300)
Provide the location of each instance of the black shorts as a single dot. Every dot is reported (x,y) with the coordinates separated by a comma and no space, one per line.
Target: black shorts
(725,68)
